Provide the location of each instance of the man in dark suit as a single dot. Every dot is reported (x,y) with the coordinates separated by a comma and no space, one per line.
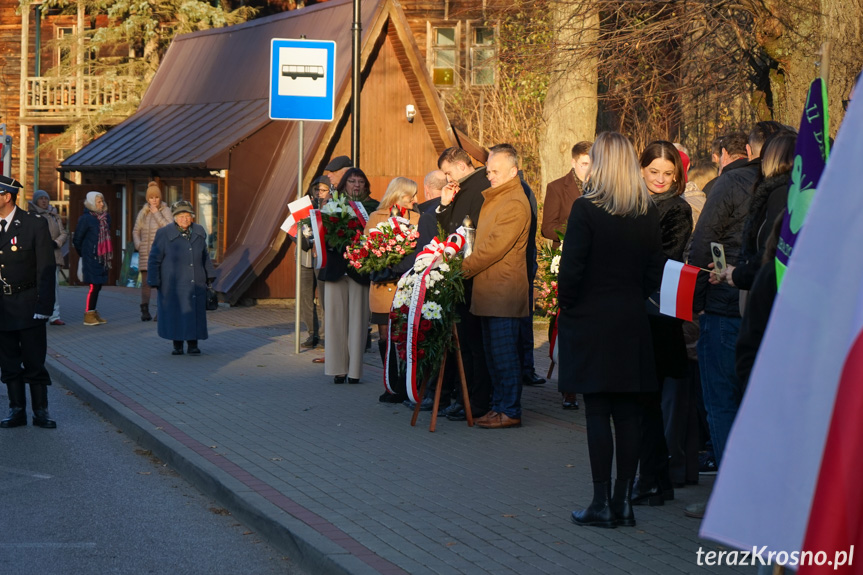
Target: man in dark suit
(26,302)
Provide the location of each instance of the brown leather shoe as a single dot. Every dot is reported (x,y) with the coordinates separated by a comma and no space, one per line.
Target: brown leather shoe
(486,418)
(500,421)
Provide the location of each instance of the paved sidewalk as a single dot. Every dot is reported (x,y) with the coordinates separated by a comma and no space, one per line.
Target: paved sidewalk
(344,483)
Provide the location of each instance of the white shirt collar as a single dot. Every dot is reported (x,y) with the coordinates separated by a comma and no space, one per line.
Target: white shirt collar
(10,217)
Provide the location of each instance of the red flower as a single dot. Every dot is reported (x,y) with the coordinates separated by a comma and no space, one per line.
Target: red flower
(421,336)
(403,355)
(405,309)
(395,337)
(340,233)
(425,325)
(394,315)
(421,353)
(334,219)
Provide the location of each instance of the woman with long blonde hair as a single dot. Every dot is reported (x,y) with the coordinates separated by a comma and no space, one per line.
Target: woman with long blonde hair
(612,261)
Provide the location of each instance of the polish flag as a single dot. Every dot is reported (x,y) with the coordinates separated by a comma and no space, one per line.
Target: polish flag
(299,211)
(790,478)
(677,290)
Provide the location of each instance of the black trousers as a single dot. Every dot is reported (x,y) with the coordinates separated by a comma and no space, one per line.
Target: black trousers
(22,356)
(599,410)
(475,368)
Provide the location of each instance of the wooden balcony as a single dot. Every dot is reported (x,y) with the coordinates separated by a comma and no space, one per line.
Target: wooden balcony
(55,100)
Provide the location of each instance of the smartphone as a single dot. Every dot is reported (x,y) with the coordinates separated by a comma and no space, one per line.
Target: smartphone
(718,252)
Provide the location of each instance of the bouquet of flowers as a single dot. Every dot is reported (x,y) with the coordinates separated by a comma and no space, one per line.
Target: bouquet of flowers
(384,246)
(549,268)
(424,309)
(341,221)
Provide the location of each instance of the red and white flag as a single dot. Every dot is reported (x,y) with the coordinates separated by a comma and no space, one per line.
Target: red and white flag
(299,211)
(677,290)
(790,478)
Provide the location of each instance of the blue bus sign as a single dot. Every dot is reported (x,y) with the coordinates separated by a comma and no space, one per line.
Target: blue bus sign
(302,80)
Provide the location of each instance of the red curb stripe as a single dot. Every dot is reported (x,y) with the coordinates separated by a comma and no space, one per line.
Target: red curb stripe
(268,492)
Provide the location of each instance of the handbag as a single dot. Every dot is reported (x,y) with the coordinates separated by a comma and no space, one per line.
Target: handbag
(212,302)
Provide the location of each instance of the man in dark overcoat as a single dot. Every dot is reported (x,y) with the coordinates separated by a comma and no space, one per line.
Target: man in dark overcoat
(26,301)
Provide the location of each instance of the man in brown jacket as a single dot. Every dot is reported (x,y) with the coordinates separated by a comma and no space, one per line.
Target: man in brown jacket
(498,266)
(560,193)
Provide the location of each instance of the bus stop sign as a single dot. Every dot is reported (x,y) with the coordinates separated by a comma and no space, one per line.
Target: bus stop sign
(302,79)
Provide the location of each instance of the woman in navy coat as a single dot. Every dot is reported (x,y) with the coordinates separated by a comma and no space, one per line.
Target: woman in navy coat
(180,268)
(93,240)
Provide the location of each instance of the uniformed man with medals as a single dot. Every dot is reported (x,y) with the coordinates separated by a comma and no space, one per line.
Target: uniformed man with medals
(26,302)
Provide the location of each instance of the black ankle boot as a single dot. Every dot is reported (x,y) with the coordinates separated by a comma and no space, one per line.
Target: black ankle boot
(39,402)
(647,492)
(599,513)
(145,312)
(17,406)
(621,502)
(178,347)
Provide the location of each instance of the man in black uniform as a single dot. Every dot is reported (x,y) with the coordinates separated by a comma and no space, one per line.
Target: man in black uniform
(26,301)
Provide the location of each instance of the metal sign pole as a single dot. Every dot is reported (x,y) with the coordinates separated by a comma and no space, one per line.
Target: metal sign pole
(297,247)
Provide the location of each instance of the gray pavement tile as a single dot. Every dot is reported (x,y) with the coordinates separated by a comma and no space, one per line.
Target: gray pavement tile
(294,448)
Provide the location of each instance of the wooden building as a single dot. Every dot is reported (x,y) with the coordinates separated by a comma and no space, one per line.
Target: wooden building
(204,131)
(38,101)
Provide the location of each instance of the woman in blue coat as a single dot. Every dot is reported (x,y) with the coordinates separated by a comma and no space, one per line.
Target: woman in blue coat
(93,242)
(180,268)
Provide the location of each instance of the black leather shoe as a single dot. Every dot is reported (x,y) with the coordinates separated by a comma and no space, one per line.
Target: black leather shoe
(353,380)
(43,420)
(16,418)
(339,378)
(387,397)
(532,379)
(647,492)
(194,351)
(177,351)
(454,408)
(459,415)
(310,343)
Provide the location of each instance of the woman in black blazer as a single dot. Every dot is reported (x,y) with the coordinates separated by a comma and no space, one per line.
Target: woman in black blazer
(612,261)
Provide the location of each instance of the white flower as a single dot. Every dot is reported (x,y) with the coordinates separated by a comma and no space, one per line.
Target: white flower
(332,208)
(444,267)
(429,281)
(431,310)
(555,265)
(419,266)
(402,298)
(436,275)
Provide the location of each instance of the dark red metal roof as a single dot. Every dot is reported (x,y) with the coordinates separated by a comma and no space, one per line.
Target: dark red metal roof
(212,91)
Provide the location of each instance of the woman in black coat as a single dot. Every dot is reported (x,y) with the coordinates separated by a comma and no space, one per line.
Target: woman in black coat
(93,240)
(662,169)
(612,261)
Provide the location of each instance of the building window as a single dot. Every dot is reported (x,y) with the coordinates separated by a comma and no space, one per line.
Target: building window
(483,53)
(444,56)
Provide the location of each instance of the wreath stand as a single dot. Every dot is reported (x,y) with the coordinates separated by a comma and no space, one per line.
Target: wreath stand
(437,393)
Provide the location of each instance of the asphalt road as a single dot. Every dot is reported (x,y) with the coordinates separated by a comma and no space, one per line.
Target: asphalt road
(84,499)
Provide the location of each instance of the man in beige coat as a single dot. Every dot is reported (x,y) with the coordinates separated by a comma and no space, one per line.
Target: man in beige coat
(498,266)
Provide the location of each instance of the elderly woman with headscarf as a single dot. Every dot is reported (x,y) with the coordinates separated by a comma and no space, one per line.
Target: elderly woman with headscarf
(180,268)
(152,217)
(41,205)
(93,242)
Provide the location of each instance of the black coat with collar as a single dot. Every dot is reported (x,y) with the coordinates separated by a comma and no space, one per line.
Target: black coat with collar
(467,202)
(26,259)
(721,221)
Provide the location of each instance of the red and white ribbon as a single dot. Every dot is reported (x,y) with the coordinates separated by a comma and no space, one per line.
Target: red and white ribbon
(319,234)
(360,211)
(431,256)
